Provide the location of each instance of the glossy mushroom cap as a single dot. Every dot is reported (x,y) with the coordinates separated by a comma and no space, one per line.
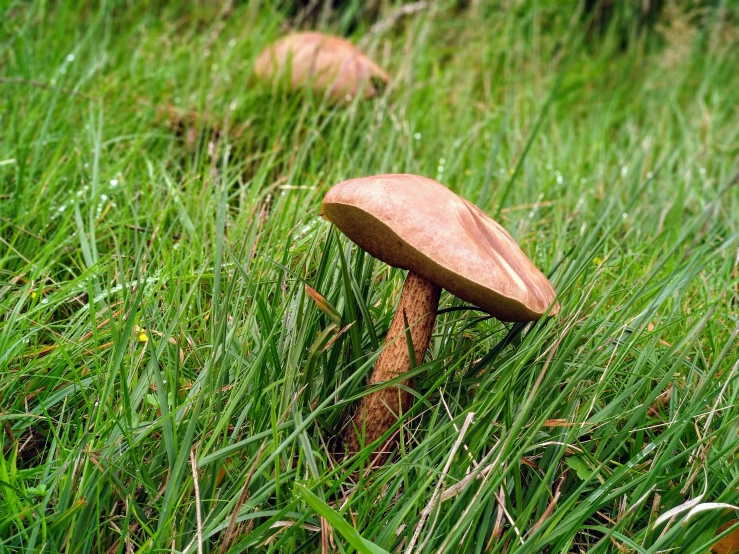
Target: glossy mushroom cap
(324,62)
(418,224)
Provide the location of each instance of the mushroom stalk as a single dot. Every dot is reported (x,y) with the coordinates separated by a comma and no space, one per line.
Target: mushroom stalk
(378,411)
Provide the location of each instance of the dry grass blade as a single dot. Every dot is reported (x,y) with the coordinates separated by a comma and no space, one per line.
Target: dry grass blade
(432,505)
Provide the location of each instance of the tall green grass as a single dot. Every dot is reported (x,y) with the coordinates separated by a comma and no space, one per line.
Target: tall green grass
(156,327)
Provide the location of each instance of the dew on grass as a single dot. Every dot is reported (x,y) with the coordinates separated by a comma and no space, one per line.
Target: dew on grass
(417,136)
(440,169)
(70,58)
(114,182)
(52,82)
(232,105)
(702,170)
(232,43)
(624,170)
(560,179)
(45,301)
(650,175)
(624,215)
(305,229)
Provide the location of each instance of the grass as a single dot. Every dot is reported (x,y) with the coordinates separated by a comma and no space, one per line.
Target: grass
(167,383)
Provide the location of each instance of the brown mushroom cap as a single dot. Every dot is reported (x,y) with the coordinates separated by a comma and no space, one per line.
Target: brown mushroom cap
(325,62)
(418,224)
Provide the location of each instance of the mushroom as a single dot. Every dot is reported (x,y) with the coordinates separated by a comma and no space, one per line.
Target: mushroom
(444,241)
(324,62)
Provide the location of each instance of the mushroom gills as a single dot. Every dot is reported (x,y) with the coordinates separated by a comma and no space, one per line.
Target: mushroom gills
(377,412)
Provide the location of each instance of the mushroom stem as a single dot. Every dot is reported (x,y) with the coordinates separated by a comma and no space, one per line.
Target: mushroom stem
(379,411)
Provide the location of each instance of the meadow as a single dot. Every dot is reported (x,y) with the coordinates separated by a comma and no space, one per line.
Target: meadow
(169,384)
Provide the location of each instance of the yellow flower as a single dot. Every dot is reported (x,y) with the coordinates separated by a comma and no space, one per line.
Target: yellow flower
(597,261)
(143,337)
(33,294)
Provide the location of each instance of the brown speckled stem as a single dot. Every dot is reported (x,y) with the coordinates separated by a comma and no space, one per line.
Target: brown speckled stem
(379,411)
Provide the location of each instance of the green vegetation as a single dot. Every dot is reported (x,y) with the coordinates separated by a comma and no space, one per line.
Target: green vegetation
(155,321)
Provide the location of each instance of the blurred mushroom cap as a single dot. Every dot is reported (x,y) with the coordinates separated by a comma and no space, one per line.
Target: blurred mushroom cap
(417,224)
(326,63)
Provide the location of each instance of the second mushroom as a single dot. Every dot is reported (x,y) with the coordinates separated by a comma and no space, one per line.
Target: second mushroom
(444,241)
(326,63)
